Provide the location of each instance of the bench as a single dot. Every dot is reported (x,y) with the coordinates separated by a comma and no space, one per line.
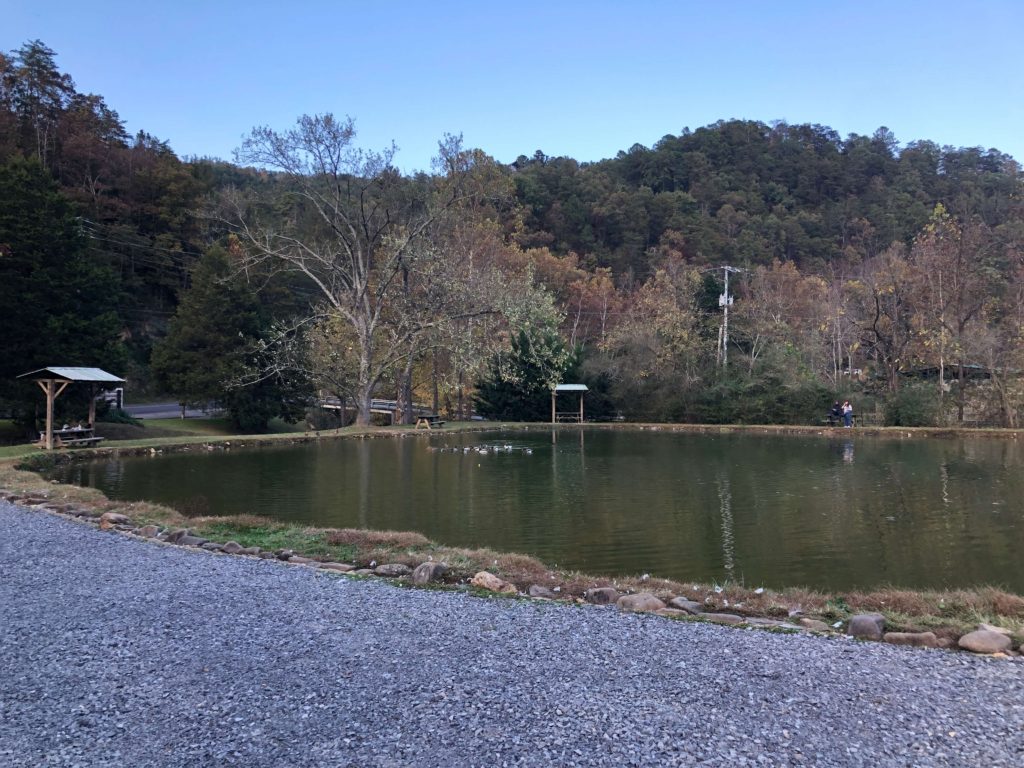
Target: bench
(864,420)
(80,442)
(429,421)
(72,437)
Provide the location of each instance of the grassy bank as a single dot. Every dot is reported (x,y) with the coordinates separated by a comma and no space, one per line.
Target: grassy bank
(949,614)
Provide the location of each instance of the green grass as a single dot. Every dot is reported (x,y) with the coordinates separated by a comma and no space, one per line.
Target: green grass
(197,427)
(272,537)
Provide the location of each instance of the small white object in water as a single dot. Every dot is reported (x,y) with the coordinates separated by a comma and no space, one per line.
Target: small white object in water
(759,591)
(527,451)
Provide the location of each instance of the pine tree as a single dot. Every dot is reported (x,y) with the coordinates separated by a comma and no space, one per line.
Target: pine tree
(58,304)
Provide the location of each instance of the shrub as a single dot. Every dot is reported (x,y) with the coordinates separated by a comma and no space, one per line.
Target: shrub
(915,405)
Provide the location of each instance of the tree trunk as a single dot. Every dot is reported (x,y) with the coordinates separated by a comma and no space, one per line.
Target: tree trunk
(436,403)
(961,394)
(364,396)
(404,393)
(461,405)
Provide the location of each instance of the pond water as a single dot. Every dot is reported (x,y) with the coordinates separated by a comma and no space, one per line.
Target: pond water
(827,512)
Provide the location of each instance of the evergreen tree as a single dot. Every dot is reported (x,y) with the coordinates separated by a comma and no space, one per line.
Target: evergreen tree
(206,353)
(518,385)
(58,304)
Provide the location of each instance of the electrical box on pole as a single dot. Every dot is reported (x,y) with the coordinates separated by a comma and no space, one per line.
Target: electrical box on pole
(725,301)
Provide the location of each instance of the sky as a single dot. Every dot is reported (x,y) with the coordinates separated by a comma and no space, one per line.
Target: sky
(579,79)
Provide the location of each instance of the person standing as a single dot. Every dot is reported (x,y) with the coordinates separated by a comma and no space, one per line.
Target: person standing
(847,414)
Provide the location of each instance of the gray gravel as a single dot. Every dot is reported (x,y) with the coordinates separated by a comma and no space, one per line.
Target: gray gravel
(115,651)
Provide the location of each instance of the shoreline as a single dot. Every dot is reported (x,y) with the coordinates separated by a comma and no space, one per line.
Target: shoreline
(141,446)
(913,617)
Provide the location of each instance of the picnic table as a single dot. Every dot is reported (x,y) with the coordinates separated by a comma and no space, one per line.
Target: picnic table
(429,421)
(72,437)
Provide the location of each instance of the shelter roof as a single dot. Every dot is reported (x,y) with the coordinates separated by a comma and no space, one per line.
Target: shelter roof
(74,374)
(571,388)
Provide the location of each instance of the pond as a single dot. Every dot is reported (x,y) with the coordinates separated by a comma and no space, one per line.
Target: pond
(835,513)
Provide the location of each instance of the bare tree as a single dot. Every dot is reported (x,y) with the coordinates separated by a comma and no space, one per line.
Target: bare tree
(351,224)
(955,283)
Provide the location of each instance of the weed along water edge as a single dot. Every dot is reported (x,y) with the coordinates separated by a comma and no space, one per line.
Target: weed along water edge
(831,513)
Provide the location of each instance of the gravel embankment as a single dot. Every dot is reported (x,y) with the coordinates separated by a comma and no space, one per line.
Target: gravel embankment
(118,652)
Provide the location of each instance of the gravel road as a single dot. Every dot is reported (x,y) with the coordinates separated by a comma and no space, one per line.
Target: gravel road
(119,652)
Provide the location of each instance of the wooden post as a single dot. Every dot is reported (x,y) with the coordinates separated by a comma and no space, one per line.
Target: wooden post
(50,397)
(552,406)
(581,407)
(92,406)
(49,386)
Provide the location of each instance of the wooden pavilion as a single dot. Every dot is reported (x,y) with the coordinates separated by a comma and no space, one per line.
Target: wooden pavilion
(53,381)
(569,416)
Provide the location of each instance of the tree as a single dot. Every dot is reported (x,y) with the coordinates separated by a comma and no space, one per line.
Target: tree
(58,305)
(519,384)
(38,94)
(955,281)
(208,351)
(885,298)
(350,224)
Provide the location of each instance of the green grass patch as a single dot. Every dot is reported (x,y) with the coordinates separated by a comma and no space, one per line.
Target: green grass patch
(204,427)
(268,535)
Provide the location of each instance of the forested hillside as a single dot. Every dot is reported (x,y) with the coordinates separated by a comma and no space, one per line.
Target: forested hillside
(861,267)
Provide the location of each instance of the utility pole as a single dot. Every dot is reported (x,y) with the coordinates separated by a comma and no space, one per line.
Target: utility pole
(725,301)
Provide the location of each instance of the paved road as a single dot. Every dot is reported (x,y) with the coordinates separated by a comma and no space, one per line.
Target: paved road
(163,411)
(118,652)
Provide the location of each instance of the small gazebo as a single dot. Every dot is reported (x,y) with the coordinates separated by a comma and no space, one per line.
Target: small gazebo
(53,381)
(570,416)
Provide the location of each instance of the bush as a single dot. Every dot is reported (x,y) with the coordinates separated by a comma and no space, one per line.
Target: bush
(764,400)
(915,405)
(117,416)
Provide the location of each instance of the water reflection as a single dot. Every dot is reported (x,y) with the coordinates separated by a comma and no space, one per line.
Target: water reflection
(762,509)
(728,539)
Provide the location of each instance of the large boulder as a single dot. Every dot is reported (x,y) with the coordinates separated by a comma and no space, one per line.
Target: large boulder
(392,570)
(721,618)
(110,519)
(985,641)
(425,573)
(867,626)
(490,582)
(176,534)
(536,590)
(685,604)
(337,567)
(916,639)
(645,602)
(601,595)
(814,625)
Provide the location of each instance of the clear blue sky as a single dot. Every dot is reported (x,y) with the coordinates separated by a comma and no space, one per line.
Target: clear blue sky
(584,79)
